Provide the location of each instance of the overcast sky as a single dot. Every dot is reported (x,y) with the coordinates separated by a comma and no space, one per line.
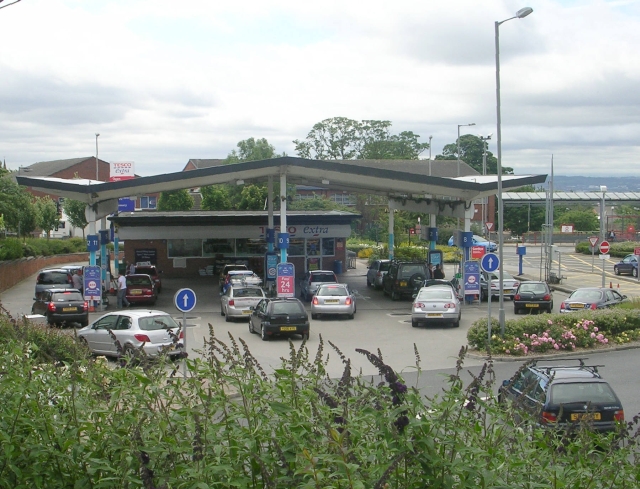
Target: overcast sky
(166,81)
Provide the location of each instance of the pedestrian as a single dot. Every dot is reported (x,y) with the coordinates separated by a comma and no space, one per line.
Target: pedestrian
(122,291)
(132,268)
(438,273)
(77,280)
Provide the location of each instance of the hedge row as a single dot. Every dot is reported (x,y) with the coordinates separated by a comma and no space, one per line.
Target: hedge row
(14,248)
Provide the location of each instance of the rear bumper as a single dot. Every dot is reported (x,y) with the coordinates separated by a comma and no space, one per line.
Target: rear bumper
(332,309)
(69,318)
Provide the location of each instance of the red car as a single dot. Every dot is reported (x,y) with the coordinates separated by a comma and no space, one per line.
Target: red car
(153,272)
(141,289)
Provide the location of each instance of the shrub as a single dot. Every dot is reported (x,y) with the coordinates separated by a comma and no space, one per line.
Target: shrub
(10,249)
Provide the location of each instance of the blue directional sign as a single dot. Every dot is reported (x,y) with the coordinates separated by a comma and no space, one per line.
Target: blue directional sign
(185,300)
(283,241)
(490,262)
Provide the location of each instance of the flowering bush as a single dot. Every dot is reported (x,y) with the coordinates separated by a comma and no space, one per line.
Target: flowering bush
(567,332)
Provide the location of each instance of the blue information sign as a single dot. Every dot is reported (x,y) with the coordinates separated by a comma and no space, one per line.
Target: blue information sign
(272,263)
(285,286)
(125,204)
(271,235)
(185,300)
(490,262)
(471,278)
(283,241)
(93,242)
(92,283)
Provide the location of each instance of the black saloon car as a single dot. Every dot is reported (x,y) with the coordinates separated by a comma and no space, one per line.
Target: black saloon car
(532,296)
(565,397)
(279,316)
(62,306)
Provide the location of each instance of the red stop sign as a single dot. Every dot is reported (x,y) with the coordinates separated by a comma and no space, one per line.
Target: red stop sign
(604,247)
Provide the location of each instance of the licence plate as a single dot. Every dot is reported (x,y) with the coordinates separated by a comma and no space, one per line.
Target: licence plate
(246,311)
(434,315)
(288,328)
(136,292)
(508,291)
(332,301)
(69,309)
(403,284)
(576,306)
(586,416)
(532,305)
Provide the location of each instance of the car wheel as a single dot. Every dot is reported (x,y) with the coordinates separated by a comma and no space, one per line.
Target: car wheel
(516,311)
(263,334)
(314,316)
(634,272)
(250,327)
(482,297)
(414,323)
(616,270)
(221,310)
(227,319)
(84,322)
(305,336)
(350,316)
(368,283)
(394,295)
(457,323)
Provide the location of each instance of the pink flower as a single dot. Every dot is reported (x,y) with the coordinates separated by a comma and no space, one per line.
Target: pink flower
(593,335)
(595,329)
(507,352)
(556,346)
(549,321)
(606,340)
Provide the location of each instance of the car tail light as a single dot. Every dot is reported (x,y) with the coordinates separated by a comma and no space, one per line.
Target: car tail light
(618,415)
(232,302)
(547,297)
(315,300)
(52,307)
(563,305)
(418,305)
(449,305)
(85,306)
(142,338)
(348,301)
(548,417)
(593,307)
(516,297)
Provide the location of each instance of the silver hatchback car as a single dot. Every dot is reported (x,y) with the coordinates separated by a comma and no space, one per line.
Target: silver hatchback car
(435,305)
(377,270)
(238,301)
(332,299)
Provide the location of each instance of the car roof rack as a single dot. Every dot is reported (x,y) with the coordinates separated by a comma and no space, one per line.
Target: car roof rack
(581,365)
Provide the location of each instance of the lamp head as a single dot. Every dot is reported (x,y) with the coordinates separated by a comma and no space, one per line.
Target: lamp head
(603,188)
(523,12)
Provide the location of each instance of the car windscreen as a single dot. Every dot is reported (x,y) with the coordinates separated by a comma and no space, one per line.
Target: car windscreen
(384,266)
(247,293)
(433,294)
(332,291)
(323,277)
(582,392)
(53,278)
(152,323)
(66,296)
(533,288)
(142,280)
(280,308)
(585,295)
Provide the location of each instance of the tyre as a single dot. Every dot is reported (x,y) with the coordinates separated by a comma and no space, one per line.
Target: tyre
(250,327)
(350,316)
(457,323)
(384,291)
(305,336)
(368,283)
(414,324)
(314,316)
(221,310)
(227,319)
(516,311)
(616,270)
(263,334)
(395,296)
(417,279)
(482,297)
(84,322)
(634,272)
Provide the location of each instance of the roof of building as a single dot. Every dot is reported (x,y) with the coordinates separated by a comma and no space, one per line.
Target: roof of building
(204,163)
(51,168)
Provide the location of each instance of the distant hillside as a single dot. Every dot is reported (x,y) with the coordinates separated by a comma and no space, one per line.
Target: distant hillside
(590,184)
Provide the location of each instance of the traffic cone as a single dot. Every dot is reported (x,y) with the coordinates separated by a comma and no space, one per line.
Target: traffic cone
(611,285)
(618,285)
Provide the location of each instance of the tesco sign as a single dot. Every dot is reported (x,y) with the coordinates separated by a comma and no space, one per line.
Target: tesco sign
(122,171)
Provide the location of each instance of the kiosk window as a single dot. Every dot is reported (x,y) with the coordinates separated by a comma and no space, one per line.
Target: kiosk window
(328,246)
(313,247)
(296,247)
(178,248)
(212,247)
(250,247)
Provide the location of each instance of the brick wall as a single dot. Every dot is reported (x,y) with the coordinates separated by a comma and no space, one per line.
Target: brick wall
(15,271)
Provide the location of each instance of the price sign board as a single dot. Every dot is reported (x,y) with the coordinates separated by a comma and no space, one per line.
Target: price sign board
(92,283)
(477,252)
(285,281)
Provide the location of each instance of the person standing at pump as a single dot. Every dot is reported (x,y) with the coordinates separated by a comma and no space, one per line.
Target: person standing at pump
(132,268)
(122,291)
(77,281)
(438,272)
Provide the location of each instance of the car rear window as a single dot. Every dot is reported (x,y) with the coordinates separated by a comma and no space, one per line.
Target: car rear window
(406,271)
(141,280)
(431,294)
(323,277)
(146,270)
(53,278)
(247,293)
(66,296)
(582,392)
(152,323)
(384,266)
(332,291)
(585,295)
(286,308)
(535,288)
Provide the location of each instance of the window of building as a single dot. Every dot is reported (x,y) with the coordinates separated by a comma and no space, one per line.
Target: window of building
(250,247)
(178,248)
(296,247)
(328,246)
(212,247)
(148,202)
(313,247)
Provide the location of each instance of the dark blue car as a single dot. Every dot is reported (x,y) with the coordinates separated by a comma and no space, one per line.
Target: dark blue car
(628,265)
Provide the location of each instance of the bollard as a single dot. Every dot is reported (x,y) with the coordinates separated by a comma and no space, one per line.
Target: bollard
(611,285)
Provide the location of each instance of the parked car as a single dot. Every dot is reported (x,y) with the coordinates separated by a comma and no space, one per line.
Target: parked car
(591,298)
(436,304)
(509,285)
(313,279)
(333,299)
(154,331)
(53,278)
(279,316)
(533,296)
(141,289)
(240,277)
(403,277)
(454,283)
(153,272)
(376,272)
(476,240)
(238,300)
(564,397)
(629,264)
(61,306)
(226,269)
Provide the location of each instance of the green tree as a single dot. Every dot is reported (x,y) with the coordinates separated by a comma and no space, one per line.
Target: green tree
(252,150)
(215,198)
(74,210)
(523,218)
(16,205)
(47,217)
(175,200)
(471,150)
(582,218)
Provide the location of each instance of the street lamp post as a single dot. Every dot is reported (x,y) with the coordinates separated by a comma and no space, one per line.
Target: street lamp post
(484,172)
(458,142)
(523,12)
(430,138)
(97,174)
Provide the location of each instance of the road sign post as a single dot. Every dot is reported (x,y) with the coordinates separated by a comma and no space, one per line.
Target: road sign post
(489,263)
(593,241)
(185,300)
(604,250)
